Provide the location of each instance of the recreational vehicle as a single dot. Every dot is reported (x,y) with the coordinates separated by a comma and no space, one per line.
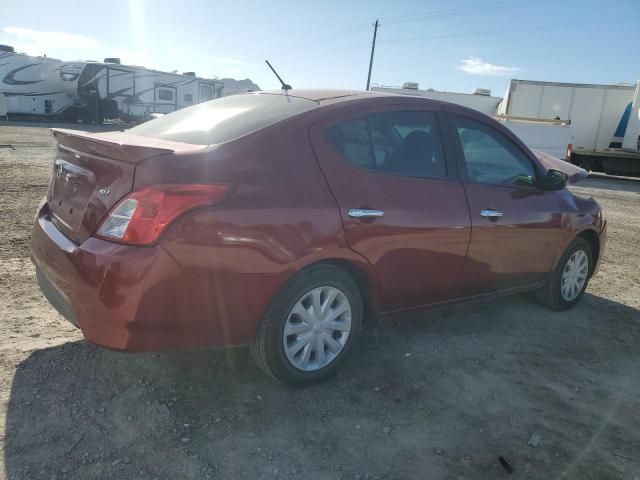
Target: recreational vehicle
(93,91)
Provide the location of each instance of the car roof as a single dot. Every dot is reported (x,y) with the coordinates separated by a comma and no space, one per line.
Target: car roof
(329,96)
(323,95)
(351,100)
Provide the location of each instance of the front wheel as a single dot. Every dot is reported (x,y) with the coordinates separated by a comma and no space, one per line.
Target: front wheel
(310,327)
(567,283)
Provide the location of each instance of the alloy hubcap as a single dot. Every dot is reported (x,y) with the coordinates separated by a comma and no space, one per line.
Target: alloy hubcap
(574,275)
(317,328)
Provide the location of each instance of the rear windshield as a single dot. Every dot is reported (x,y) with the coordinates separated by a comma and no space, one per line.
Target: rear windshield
(224,119)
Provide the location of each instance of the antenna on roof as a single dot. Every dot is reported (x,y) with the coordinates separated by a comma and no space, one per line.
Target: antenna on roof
(285,86)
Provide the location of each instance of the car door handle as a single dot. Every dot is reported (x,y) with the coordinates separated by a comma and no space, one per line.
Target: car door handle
(491,213)
(361,213)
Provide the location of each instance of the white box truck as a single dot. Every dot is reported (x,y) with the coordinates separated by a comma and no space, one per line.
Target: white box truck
(603,118)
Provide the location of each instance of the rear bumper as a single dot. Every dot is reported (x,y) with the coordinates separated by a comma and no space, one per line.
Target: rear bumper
(140,298)
(57,298)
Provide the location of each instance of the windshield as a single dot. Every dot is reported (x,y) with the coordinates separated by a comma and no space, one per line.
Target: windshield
(224,119)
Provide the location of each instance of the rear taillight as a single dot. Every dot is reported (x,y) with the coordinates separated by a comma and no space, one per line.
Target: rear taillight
(568,156)
(140,217)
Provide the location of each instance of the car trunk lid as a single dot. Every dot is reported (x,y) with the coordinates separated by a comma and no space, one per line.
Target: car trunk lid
(93,171)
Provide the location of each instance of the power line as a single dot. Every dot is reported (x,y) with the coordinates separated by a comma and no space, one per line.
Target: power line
(466,11)
(398,19)
(438,12)
(497,32)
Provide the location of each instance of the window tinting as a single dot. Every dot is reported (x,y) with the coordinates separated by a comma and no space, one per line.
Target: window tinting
(408,143)
(225,118)
(492,158)
(399,143)
(352,139)
(165,94)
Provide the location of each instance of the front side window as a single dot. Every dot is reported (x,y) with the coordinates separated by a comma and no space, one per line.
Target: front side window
(490,157)
(398,143)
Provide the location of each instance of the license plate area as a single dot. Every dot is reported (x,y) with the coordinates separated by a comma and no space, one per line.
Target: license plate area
(72,188)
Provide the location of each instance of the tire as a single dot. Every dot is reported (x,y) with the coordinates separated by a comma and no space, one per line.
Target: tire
(551,294)
(269,346)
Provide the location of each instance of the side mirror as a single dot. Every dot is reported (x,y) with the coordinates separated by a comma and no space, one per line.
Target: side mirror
(555,180)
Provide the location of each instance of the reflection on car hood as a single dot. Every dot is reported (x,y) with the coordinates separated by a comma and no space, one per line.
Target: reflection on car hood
(550,162)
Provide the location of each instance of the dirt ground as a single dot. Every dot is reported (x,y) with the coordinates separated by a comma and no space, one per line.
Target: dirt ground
(441,396)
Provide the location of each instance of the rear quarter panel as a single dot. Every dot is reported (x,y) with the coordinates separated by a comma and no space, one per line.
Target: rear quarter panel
(279,218)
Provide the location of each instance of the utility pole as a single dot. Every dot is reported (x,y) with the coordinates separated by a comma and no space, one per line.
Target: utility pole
(373,48)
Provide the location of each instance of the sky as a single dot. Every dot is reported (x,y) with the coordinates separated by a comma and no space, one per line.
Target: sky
(453,45)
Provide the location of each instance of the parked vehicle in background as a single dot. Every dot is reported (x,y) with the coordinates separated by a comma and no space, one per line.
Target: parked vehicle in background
(284,220)
(93,91)
(604,119)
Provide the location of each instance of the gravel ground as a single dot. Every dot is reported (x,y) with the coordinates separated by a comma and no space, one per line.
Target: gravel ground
(443,395)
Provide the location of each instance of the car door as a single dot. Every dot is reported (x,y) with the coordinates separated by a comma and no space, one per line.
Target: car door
(515,224)
(402,207)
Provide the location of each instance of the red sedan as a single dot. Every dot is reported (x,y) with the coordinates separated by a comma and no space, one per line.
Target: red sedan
(283,219)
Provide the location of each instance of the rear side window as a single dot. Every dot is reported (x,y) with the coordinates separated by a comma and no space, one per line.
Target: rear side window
(490,157)
(352,139)
(398,143)
(224,119)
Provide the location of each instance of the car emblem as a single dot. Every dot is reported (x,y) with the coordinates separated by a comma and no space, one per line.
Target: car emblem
(59,170)
(103,192)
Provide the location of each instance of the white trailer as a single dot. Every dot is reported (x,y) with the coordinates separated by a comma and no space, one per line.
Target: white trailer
(36,85)
(93,91)
(551,137)
(602,118)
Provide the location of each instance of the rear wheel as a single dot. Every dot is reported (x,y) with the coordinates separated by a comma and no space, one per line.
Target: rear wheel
(310,327)
(567,283)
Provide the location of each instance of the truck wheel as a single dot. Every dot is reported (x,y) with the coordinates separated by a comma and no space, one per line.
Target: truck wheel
(310,327)
(568,281)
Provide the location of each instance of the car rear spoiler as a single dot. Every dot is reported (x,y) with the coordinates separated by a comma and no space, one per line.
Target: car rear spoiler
(549,162)
(122,146)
